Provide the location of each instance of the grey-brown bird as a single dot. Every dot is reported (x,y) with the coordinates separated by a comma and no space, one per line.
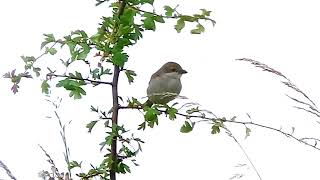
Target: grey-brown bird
(165,84)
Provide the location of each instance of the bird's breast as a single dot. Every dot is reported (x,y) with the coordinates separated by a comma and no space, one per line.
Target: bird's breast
(164,84)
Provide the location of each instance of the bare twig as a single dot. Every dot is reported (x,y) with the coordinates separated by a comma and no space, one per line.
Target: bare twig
(3,166)
(50,160)
(243,150)
(307,110)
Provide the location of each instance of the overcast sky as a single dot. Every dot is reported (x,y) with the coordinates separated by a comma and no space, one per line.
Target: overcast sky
(283,34)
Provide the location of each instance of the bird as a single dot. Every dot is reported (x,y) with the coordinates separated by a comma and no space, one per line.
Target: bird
(165,84)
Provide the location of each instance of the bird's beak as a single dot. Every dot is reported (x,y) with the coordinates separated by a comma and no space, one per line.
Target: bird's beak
(182,71)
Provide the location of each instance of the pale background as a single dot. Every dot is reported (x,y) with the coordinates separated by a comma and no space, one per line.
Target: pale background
(283,34)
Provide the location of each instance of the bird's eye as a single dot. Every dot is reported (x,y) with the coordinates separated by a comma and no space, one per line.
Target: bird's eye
(172,69)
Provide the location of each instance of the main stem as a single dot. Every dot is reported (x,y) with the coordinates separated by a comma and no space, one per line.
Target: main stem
(115,112)
(114,120)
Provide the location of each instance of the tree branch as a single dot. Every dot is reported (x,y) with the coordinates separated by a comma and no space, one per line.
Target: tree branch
(115,109)
(114,119)
(207,119)
(94,82)
(169,17)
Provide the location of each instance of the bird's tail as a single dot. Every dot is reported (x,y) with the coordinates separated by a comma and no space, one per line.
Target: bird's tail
(148,103)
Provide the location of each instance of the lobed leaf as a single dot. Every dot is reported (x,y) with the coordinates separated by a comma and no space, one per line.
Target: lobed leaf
(149,24)
(45,87)
(180,25)
(91,125)
(169,10)
(187,127)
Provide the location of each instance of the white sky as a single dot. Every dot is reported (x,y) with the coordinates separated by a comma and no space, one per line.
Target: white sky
(283,34)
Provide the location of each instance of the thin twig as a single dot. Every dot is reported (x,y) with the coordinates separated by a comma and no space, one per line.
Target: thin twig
(94,82)
(50,160)
(3,166)
(307,110)
(244,152)
(207,119)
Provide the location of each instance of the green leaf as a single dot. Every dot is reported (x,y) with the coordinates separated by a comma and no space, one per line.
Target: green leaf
(199,16)
(200,29)
(126,168)
(205,12)
(130,75)
(16,79)
(133,103)
(215,129)
(102,145)
(43,44)
(84,51)
(45,87)
(159,19)
(172,113)
(95,73)
(248,131)
(74,164)
(121,43)
(180,25)
(72,46)
(91,172)
(136,34)
(127,18)
(28,59)
(151,116)
(77,75)
(80,33)
(142,126)
(94,109)
(48,39)
(149,24)
(187,127)
(188,18)
(123,168)
(73,86)
(91,125)
(119,58)
(77,94)
(147,1)
(109,139)
(106,71)
(68,84)
(169,10)
(36,70)
(77,43)
(52,51)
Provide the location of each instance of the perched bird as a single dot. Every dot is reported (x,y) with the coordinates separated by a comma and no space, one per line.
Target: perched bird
(165,84)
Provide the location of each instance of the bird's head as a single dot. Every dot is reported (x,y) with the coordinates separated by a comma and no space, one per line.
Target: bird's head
(172,69)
